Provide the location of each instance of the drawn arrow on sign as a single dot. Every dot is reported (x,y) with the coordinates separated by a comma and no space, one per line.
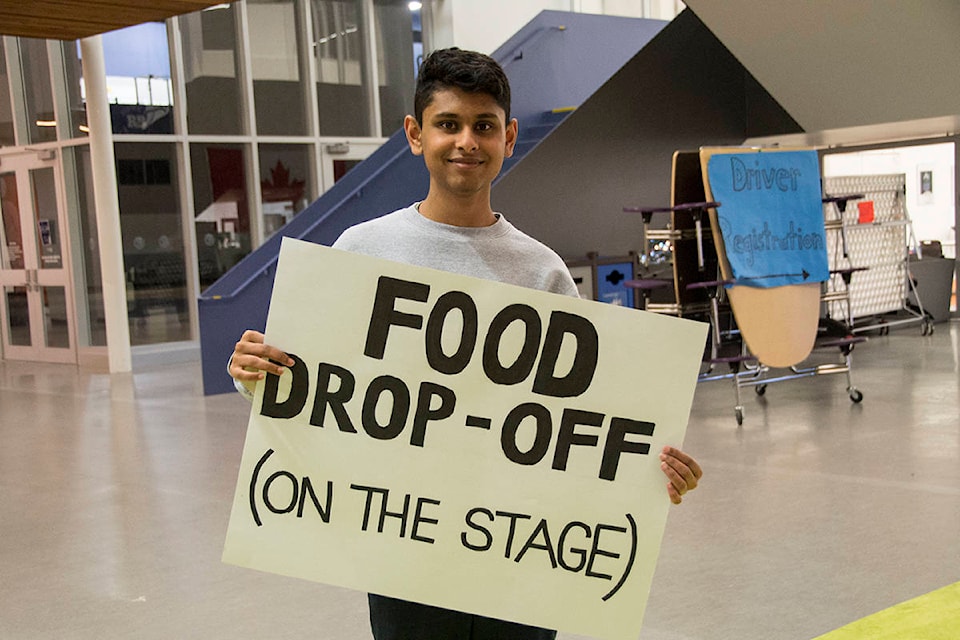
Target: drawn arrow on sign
(803,273)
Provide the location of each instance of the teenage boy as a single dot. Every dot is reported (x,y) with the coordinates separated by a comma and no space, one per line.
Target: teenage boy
(463,130)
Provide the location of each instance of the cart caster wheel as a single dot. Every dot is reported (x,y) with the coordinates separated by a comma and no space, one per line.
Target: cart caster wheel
(739,413)
(760,389)
(884,331)
(856,396)
(927,328)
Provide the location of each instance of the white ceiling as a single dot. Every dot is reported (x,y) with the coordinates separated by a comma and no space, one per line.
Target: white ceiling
(888,68)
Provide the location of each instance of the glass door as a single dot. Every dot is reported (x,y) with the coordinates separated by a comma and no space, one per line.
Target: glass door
(36,322)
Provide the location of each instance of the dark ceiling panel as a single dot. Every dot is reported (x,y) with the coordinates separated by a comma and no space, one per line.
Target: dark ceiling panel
(73,19)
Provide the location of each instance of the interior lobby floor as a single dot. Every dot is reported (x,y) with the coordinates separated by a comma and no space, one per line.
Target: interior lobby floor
(115,491)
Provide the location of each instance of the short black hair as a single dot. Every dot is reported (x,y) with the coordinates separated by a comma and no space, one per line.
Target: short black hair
(468,71)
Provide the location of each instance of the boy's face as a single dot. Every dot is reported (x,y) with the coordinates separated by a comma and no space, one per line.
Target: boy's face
(463,140)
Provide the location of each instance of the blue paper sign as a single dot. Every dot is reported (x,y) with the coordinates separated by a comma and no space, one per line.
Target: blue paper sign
(771,216)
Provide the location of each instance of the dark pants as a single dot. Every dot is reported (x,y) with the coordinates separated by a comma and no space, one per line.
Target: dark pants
(392,619)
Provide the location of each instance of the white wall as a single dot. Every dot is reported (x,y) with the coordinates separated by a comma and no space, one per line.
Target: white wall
(484,26)
(932,213)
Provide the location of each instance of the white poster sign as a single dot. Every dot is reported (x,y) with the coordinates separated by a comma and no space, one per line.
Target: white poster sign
(463,443)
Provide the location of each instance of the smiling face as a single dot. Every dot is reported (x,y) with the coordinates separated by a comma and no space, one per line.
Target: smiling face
(463,139)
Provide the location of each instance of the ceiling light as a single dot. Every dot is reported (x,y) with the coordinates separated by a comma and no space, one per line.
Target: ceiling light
(415,6)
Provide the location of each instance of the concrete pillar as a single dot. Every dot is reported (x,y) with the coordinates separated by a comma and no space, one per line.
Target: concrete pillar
(108,205)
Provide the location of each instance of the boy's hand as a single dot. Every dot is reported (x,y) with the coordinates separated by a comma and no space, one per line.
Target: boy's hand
(682,470)
(252,358)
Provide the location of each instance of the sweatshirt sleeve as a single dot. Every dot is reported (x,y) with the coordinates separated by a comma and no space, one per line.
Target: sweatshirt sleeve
(244,390)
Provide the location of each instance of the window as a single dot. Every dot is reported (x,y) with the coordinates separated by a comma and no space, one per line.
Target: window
(220,204)
(279,92)
(211,70)
(284,169)
(6,107)
(153,249)
(41,122)
(139,88)
(343,90)
(88,292)
(76,126)
(397,73)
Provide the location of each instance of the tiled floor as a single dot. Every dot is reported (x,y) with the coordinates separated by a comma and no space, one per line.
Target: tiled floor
(115,493)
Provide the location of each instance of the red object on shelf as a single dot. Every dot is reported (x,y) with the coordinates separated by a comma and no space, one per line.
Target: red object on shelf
(866,212)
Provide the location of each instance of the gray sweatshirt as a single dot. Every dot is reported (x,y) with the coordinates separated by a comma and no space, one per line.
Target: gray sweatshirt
(500,252)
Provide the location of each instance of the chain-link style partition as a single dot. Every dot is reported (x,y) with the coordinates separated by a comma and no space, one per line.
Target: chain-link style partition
(872,237)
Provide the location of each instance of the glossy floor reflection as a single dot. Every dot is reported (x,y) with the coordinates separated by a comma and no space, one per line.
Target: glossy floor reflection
(115,493)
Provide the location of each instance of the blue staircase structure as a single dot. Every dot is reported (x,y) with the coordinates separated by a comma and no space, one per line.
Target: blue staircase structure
(554,63)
